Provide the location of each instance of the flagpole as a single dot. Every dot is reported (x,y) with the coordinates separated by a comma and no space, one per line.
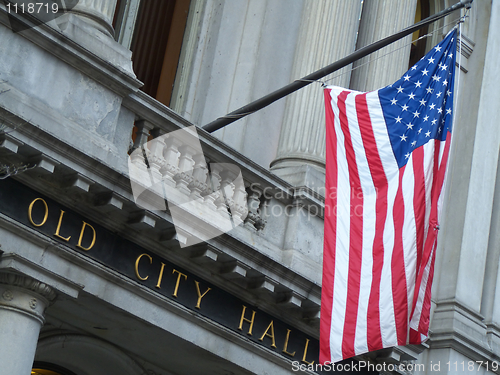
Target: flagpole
(302,82)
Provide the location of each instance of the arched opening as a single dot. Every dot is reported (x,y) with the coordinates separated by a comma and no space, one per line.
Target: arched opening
(43,368)
(78,354)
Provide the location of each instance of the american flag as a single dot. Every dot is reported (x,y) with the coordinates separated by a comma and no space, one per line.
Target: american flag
(386,160)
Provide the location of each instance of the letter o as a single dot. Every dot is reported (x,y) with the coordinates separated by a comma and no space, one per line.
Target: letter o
(30,209)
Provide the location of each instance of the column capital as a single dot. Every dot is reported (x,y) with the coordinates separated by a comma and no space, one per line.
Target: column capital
(25,294)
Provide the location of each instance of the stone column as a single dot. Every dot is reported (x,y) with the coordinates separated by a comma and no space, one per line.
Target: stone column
(98,13)
(90,24)
(379,19)
(327,33)
(22,305)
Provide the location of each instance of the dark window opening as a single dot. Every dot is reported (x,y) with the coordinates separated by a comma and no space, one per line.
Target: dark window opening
(418,47)
(118,17)
(156,45)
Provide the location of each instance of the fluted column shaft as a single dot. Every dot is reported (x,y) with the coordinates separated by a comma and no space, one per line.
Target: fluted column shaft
(328,33)
(22,305)
(379,19)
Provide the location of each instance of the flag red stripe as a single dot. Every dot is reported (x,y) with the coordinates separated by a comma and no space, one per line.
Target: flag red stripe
(355,238)
(399,287)
(436,189)
(374,335)
(430,240)
(443,165)
(415,337)
(440,171)
(330,233)
(423,326)
(419,200)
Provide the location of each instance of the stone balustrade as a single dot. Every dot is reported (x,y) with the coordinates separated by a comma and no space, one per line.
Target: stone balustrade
(173,165)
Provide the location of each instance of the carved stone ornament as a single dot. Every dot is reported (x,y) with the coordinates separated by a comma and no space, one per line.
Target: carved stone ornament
(8,295)
(27,283)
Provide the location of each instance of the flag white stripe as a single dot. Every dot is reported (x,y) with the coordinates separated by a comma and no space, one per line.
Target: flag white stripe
(368,213)
(342,242)
(384,147)
(428,177)
(443,189)
(386,304)
(409,232)
(441,151)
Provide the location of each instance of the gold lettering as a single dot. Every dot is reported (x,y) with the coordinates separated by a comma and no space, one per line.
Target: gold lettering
(79,244)
(59,228)
(30,209)
(271,326)
(137,266)
(305,354)
(286,343)
(246,320)
(200,296)
(178,281)
(158,285)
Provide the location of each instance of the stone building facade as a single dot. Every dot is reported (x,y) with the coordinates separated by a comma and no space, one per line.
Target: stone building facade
(92,283)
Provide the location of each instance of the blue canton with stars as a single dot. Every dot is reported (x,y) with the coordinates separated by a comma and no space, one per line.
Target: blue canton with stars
(418,107)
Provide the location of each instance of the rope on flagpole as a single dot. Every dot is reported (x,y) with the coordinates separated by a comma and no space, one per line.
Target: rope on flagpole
(457,90)
(456,95)
(324,82)
(459,36)
(375,59)
(460,22)
(270,98)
